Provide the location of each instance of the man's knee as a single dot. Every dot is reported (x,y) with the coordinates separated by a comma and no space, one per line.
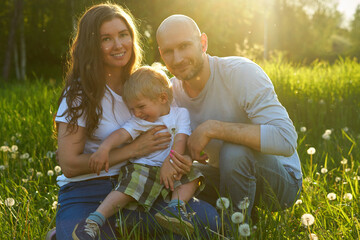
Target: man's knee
(238,158)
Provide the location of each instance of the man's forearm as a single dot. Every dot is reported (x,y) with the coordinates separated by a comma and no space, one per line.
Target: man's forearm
(238,133)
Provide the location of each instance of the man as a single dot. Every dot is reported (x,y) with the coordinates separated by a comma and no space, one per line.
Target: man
(236,120)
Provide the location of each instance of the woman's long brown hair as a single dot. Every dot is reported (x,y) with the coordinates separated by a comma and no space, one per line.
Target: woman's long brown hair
(85,79)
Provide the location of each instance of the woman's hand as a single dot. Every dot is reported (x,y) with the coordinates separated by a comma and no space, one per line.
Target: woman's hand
(151,141)
(181,163)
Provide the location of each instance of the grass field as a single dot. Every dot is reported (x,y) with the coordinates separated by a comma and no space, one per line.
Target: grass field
(322,100)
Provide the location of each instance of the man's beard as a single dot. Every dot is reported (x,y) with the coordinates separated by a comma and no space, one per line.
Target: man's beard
(197,66)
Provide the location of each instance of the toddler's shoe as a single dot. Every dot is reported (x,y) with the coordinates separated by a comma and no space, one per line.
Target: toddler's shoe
(175,219)
(86,229)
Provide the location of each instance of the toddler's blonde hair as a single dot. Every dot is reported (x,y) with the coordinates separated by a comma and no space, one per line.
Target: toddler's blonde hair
(149,82)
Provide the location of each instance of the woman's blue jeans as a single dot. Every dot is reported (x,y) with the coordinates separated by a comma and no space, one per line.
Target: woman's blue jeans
(77,200)
(244,173)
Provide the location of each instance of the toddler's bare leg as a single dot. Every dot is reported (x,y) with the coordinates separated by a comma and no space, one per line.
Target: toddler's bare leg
(186,191)
(113,202)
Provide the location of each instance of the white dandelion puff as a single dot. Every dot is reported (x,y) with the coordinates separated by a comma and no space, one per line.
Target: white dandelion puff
(307,219)
(57,169)
(345,129)
(303,129)
(2,167)
(326,136)
(344,161)
(24,156)
(5,149)
(54,205)
(50,173)
(222,203)
(348,196)
(237,217)
(311,151)
(324,170)
(337,179)
(328,131)
(9,202)
(244,204)
(39,174)
(313,236)
(244,230)
(347,169)
(14,148)
(331,196)
(298,202)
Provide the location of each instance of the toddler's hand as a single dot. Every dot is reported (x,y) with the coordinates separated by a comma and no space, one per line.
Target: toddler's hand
(98,160)
(167,175)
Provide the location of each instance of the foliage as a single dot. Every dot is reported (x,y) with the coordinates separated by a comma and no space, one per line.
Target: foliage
(303,30)
(320,97)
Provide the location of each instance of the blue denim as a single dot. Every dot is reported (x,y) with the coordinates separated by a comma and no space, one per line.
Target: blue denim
(77,200)
(244,172)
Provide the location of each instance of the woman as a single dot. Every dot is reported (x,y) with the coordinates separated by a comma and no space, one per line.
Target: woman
(105,51)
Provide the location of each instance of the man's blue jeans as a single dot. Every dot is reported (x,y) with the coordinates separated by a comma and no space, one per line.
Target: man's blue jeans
(244,173)
(77,200)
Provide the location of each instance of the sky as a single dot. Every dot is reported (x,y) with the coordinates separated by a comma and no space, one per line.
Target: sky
(347,7)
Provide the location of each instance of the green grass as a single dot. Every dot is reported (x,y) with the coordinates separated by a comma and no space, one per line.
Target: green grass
(318,97)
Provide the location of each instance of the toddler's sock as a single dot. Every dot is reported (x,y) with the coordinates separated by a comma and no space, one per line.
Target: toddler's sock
(98,218)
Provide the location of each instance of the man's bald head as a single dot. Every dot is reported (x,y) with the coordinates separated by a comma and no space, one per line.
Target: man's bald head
(176,21)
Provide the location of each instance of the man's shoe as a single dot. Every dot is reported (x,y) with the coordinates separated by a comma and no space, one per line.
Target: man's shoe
(86,229)
(176,220)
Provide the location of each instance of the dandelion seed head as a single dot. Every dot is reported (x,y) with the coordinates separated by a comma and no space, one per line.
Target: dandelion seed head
(347,169)
(50,173)
(54,205)
(345,183)
(337,179)
(222,203)
(348,196)
(9,202)
(324,170)
(344,161)
(14,148)
(298,202)
(331,196)
(2,167)
(57,169)
(313,236)
(244,204)
(307,219)
(24,156)
(5,149)
(39,174)
(237,217)
(24,180)
(303,129)
(345,129)
(328,131)
(244,230)
(326,136)
(311,151)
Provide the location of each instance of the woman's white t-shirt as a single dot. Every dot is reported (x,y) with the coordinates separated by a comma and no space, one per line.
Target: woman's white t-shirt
(115,114)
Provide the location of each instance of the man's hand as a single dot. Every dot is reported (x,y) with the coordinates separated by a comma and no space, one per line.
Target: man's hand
(98,160)
(198,140)
(167,174)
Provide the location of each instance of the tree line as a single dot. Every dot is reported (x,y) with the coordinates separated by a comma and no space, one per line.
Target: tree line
(36,34)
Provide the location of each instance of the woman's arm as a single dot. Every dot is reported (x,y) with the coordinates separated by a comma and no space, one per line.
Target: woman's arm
(74,162)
